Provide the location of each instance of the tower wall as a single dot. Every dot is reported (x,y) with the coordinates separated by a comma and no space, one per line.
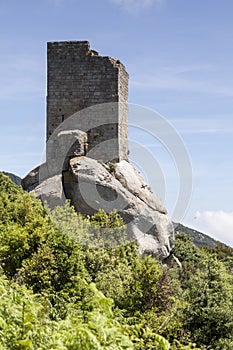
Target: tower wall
(77,78)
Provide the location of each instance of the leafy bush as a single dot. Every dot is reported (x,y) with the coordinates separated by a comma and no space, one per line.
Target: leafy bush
(72,282)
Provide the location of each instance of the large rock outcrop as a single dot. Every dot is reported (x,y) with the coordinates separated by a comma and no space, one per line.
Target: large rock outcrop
(91,185)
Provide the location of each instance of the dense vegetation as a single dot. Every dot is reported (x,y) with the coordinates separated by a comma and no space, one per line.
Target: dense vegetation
(58,291)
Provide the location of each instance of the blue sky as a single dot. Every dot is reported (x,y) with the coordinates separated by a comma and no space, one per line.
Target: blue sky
(179,57)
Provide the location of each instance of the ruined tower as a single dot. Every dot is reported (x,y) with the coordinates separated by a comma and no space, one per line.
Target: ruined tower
(77,78)
(87,130)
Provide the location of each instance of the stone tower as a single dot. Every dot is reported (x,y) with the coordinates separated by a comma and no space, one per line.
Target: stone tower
(77,78)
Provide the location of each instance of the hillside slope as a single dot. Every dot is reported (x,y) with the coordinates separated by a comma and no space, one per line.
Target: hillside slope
(16,179)
(199,238)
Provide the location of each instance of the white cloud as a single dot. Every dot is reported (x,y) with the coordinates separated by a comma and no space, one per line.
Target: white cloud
(134,6)
(22,78)
(217,224)
(201,78)
(56,2)
(158,81)
(219,125)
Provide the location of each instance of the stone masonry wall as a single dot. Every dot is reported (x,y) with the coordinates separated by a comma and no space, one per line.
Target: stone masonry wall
(79,78)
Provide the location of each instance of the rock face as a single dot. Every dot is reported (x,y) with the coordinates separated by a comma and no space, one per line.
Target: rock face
(91,185)
(31,180)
